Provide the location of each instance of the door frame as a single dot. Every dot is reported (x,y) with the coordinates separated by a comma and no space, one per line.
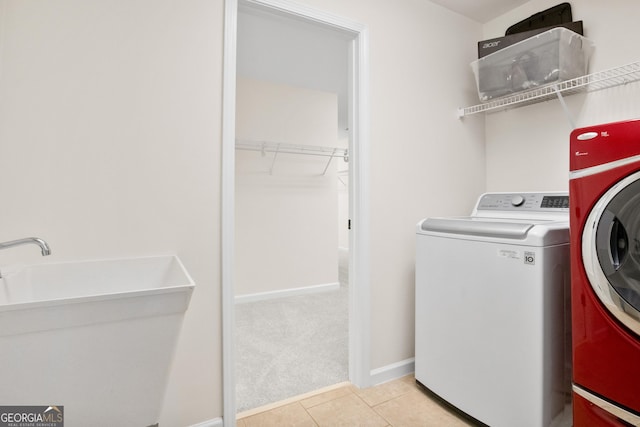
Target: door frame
(359,268)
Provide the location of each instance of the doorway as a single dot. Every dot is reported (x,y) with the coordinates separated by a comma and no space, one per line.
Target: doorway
(291,142)
(356,177)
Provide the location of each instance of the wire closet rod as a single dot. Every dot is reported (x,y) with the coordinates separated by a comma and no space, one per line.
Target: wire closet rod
(281,147)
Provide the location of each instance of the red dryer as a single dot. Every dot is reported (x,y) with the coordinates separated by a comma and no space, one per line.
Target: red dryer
(604,194)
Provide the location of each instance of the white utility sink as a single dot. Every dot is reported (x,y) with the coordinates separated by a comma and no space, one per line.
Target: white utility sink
(96,337)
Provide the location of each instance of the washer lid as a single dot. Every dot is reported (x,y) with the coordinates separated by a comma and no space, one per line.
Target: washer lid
(515,231)
(476,227)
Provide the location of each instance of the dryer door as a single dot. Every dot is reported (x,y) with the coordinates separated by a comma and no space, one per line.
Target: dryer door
(611,250)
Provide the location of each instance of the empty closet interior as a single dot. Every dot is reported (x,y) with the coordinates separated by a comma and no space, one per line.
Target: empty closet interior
(291,190)
(291,208)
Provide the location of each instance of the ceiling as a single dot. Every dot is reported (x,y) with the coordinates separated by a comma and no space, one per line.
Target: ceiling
(480,10)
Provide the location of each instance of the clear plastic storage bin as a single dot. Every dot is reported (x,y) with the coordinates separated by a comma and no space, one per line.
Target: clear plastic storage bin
(553,56)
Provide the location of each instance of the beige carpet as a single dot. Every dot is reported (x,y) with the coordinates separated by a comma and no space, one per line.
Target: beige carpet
(290,346)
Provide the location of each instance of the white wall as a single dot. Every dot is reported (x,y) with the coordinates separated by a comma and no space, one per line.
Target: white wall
(110,119)
(110,138)
(424,161)
(528,147)
(287,221)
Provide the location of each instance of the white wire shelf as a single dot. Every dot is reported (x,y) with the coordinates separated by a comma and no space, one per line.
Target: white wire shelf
(591,82)
(281,147)
(284,148)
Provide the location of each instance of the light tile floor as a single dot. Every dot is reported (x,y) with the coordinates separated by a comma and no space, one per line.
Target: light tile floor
(399,403)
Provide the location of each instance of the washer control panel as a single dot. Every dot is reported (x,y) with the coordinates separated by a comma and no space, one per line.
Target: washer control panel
(539,202)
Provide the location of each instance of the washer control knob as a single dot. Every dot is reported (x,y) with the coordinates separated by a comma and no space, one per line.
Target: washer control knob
(517,200)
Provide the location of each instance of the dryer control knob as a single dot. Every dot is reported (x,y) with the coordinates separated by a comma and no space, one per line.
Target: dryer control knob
(517,200)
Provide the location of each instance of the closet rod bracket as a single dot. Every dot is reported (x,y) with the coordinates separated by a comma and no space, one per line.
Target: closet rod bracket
(275,156)
(329,161)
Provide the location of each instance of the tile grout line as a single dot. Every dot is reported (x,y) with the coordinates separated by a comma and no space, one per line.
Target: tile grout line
(391,398)
(316,422)
(349,391)
(354,394)
(373,407)
(294,399)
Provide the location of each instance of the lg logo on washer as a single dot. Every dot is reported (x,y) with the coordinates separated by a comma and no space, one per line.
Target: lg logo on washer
(530,258)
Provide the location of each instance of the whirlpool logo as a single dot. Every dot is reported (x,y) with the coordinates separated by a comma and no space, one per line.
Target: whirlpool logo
(32,416)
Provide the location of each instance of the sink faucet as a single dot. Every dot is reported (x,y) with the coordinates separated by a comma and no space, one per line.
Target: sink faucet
(44,247)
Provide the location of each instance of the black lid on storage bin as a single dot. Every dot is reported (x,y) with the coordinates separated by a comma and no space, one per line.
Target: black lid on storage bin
(555,15)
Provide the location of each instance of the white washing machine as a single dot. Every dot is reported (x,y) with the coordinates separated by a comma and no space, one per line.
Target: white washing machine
(493,310)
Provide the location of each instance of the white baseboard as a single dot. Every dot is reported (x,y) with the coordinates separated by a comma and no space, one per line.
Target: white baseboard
(263,296)
(392,371)
(216,422)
